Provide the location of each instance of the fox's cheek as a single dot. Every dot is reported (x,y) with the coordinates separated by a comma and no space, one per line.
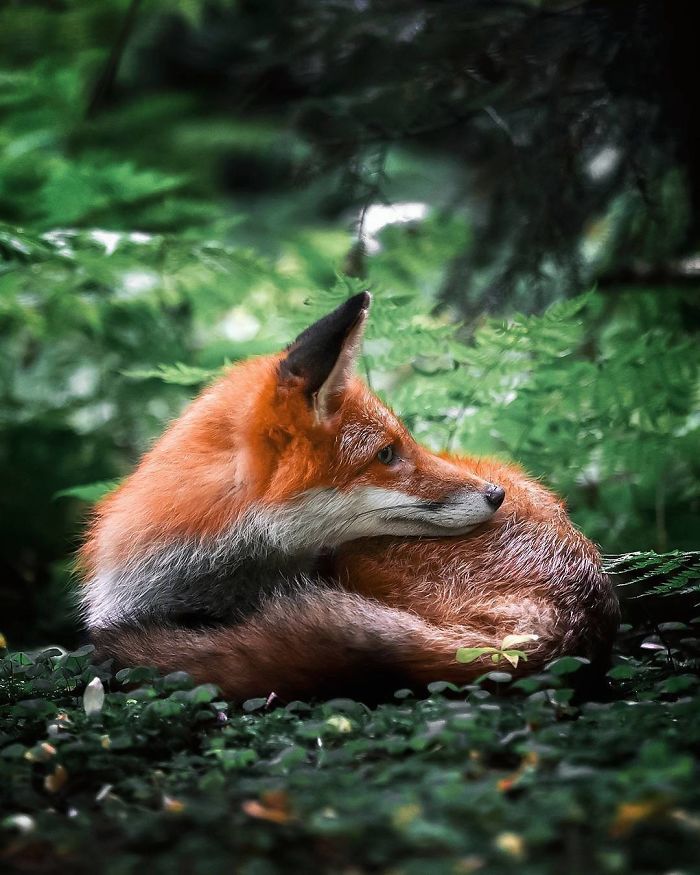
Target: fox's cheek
(394,469)
(279,440)
(383,476)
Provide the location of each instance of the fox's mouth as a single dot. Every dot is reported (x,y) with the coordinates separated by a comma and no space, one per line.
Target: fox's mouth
(431,529)
(439,519)
(450,517)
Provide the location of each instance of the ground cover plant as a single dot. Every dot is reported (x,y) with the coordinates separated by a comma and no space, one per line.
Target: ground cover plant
(500,776)
(171,198)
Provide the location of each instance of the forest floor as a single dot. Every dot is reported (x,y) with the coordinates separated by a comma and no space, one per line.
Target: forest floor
(518,777)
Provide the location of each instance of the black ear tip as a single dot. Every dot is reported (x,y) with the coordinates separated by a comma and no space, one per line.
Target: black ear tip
(314,353)
(359,302)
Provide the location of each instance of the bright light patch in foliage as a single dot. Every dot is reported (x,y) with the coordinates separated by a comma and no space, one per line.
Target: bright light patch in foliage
(93,697)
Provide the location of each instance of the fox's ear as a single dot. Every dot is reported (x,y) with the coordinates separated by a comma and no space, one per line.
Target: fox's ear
(324,355)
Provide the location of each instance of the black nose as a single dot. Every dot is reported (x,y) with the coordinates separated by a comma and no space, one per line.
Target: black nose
(495,495)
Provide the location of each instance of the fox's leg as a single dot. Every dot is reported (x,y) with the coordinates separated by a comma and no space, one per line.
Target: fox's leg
(318,642)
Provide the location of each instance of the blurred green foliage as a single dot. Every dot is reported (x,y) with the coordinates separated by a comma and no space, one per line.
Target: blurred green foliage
(133,268)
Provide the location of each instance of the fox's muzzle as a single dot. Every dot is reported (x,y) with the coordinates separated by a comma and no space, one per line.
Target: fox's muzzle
(494,495)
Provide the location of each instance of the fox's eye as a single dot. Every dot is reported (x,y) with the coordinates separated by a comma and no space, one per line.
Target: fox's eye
(387,455)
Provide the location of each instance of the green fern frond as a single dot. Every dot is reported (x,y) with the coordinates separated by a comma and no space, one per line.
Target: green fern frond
(90,492)
(675,573)
(178,374)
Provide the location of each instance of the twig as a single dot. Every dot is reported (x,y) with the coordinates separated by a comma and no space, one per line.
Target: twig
(107,77)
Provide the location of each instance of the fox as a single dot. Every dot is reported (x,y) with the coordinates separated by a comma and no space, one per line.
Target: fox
(286,534)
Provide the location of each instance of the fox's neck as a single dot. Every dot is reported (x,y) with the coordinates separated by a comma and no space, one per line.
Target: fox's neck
(222,577)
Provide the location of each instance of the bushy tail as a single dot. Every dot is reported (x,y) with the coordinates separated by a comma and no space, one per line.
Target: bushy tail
(316,643)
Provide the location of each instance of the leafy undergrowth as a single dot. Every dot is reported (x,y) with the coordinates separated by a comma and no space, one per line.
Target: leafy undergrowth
(498,777)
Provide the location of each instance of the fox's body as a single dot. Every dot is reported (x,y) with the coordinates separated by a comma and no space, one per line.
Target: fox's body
(287,534)
(525,571)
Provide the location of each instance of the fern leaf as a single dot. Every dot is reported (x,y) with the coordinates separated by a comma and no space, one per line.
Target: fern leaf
(656,574)
(178,374)
(90,492)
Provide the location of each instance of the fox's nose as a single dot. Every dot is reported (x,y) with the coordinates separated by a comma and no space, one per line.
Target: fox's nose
(495,495)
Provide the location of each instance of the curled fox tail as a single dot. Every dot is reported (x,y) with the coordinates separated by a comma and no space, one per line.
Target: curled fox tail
(289,466)
(320,642)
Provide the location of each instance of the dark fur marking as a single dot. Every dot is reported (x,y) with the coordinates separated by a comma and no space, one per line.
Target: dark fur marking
(314,353)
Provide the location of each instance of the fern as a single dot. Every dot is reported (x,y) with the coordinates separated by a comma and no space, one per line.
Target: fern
(178,374)
(90,492)
(658,574)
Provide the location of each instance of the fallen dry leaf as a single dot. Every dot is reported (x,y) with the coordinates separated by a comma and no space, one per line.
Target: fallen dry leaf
(55,781)
(529,762)
(629,814)
(173,806)
(273,806)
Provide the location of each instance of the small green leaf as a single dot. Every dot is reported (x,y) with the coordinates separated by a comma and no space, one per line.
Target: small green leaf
(469,654)
(178,680)
(514,656)
(511,641)
(136,675)
(567,664)
(91,492)
(437,687)
(164,708)
(177,375)
(498,677)
(202,695)
(678,683)
(235,759)
(254,704)
(624,671)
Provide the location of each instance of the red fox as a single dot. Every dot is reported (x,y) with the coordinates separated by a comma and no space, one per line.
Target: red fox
(287,534)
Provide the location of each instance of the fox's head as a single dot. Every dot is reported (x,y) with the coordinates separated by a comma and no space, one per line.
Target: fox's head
(293,453)
(338,444)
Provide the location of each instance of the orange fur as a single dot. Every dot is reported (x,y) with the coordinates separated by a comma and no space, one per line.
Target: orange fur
(248,439)
(390,611)
(525,571)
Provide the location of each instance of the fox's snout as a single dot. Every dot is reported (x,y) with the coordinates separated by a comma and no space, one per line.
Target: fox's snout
(494,495)
(463,509)
(376,511)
